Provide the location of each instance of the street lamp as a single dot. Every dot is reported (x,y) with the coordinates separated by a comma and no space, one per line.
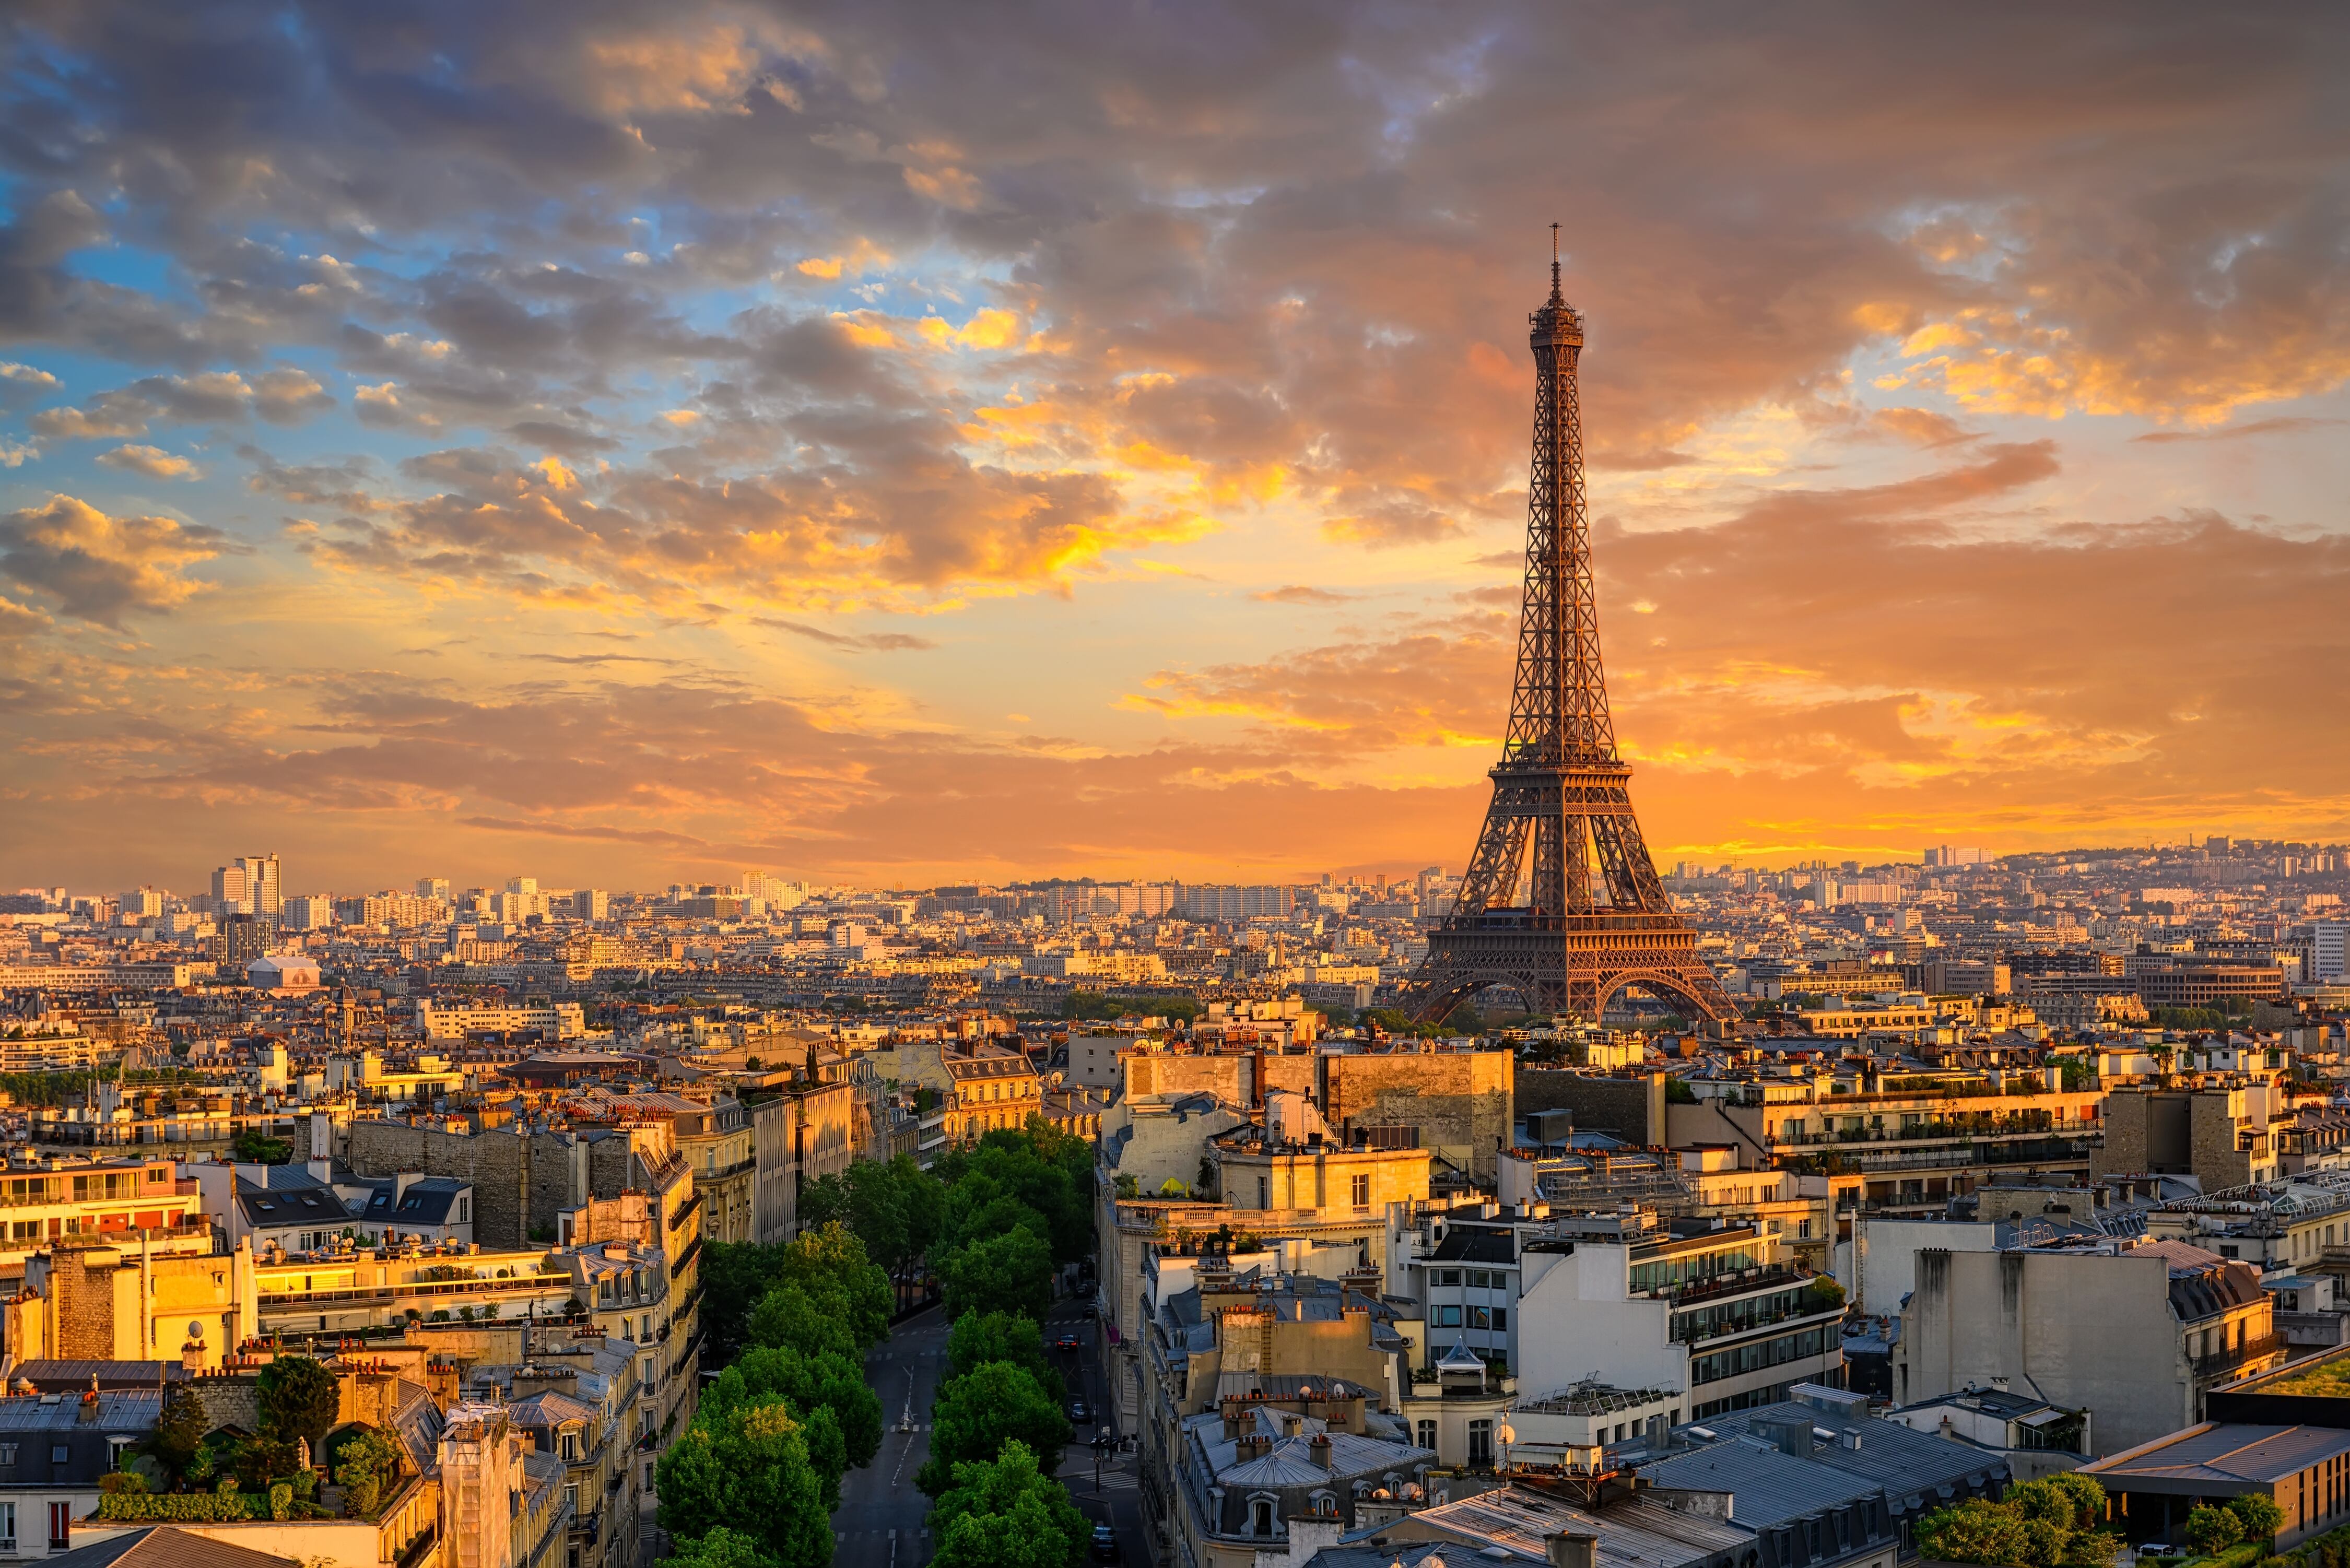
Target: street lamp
(1505,1435)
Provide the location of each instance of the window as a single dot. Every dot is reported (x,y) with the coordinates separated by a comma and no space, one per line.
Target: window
(1480,1442)
(570,1444)
(1501,1317)
(7,1527)
(1362,1191)
(60,1526)
(1427,1439)
(1260,1516)
(1264,1193)
(59,1454)
(1479,1317)
(1447,1276)
(1448,1317)
(8,1453)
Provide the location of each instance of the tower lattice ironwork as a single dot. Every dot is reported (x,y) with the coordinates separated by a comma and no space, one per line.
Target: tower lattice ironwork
(1561,902)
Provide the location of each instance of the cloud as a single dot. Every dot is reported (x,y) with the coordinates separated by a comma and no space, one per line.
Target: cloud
(98,567)
(1068,307)
(216,397)
(879,642)
(2281,425)
(1300,594)
(152,461)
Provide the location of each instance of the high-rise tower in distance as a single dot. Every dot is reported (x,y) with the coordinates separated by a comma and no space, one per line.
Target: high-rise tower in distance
(1593,918)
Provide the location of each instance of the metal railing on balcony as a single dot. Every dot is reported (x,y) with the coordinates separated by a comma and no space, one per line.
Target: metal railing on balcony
(2222,1361)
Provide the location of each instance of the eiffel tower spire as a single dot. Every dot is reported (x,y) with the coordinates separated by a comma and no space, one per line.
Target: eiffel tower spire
(1595,918)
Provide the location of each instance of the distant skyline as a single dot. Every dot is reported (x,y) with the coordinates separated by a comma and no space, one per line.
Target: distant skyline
(908,444)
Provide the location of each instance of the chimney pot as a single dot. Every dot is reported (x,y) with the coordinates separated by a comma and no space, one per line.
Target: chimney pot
(1569,1549)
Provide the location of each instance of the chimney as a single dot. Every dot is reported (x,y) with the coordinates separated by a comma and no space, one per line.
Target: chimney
(1320,1449)
(1568,1550)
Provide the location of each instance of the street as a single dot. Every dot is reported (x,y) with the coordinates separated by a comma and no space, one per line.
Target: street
(881,1521)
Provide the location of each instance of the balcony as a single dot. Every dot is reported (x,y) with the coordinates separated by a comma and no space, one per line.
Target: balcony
(1806,1311)
(2226,1363)
(1744,1282)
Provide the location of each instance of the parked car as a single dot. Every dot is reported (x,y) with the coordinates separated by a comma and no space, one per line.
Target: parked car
(1105,1546)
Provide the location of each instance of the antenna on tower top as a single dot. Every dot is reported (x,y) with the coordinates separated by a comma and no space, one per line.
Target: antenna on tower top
(1554,261)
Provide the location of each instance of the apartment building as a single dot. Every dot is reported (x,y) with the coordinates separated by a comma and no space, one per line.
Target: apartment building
(132,1202)
(1638,1300)
(2218,1133)
(1914,1141)
(2137,1335)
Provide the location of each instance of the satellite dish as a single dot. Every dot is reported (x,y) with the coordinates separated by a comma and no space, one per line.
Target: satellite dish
(195,1330)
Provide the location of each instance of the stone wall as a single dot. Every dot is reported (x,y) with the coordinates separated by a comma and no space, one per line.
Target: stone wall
(1463,1102)
(1630,1109)
(511,1195)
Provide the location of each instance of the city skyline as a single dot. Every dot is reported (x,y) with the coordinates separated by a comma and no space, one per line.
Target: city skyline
(637,448)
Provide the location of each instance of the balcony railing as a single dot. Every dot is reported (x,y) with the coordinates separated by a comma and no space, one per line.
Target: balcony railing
(1744,1282)
(2228,1360)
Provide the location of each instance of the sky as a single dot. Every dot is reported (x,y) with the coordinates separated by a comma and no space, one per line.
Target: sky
(906,443)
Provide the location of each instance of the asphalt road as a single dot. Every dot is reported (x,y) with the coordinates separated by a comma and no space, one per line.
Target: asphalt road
(879,1522)
(1114,1498)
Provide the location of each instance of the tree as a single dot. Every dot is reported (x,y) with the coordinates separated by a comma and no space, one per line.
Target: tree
(2212,1530)
(722,1548)
(365,1464)
(748,1471)
(976,1414)
(2259,1516)
(831,1264)
(1006,1513)
(179,1434)
(1012,1272)
(1975,1532)
(734,1276)
(300,1399)
(980,1337)
(789,1316)
(826,1380)
(259,1149)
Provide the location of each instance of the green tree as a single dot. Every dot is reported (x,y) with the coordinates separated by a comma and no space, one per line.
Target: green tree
(2259,1516)
(365,1464)
(734,1277)
(1012,1272)
(832,1265)
(748,1470)
(722,1548)
(826,1379)
(789,1316)
(179,1434)
(2212,1530)
(1008,1514)
(976,1414)
(259,1149)
(1976,1531)
(980,1337)
(298,1398)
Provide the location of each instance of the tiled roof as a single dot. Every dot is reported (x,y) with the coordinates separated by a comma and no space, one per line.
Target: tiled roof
(166,1546)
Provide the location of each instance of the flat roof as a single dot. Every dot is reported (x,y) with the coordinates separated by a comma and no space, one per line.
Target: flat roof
(2218,1453)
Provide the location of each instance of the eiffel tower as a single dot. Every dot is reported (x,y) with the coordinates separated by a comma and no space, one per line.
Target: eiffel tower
(1596,920)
